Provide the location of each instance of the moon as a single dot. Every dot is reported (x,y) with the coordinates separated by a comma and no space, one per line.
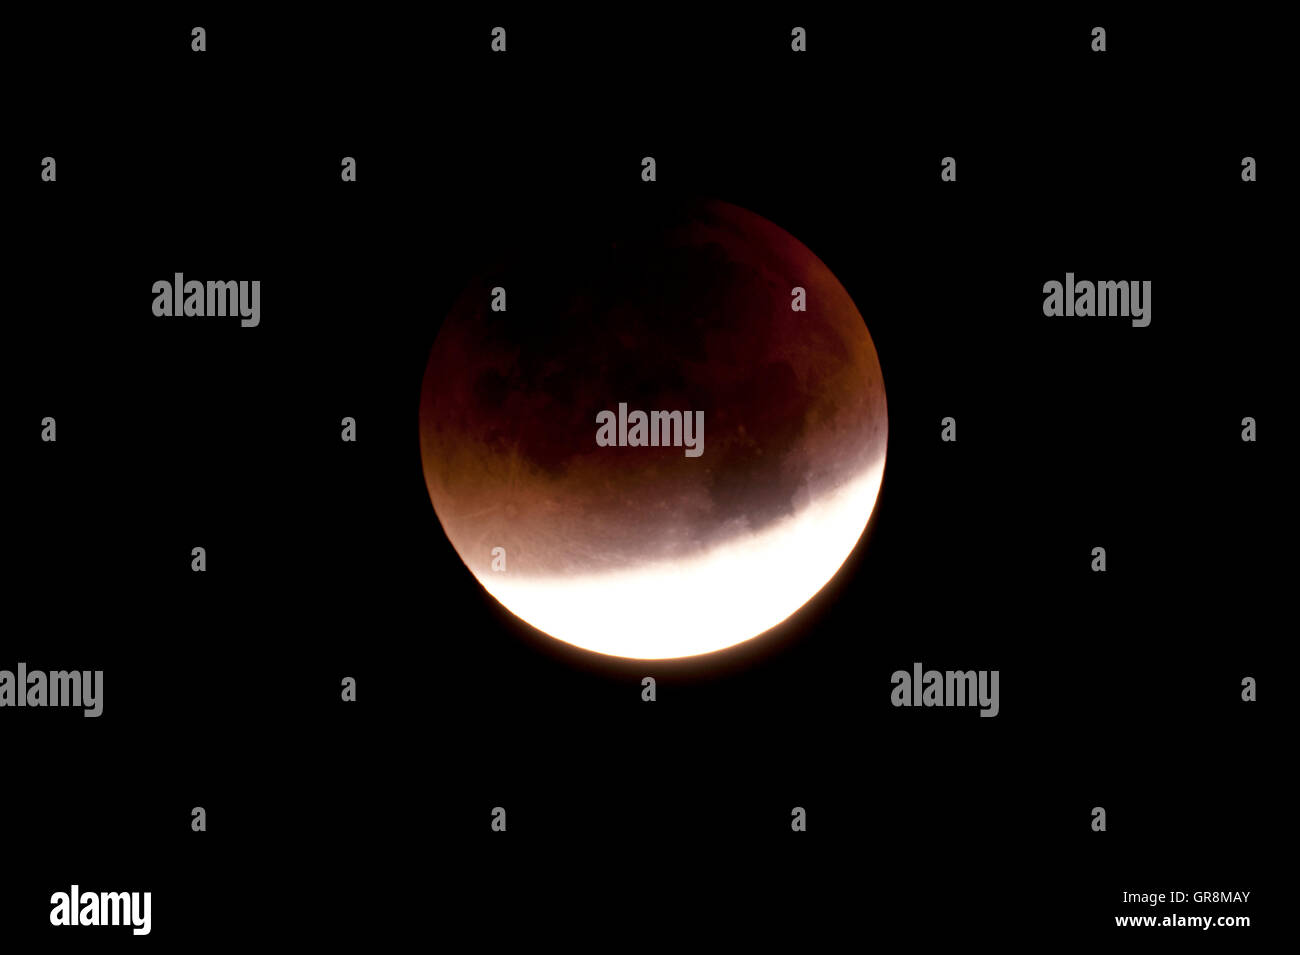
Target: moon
(651,552)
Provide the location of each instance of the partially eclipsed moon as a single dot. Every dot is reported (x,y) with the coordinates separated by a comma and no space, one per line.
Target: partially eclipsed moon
(647,552)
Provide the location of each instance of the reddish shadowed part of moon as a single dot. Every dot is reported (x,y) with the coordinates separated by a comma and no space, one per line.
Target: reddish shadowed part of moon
(647,551)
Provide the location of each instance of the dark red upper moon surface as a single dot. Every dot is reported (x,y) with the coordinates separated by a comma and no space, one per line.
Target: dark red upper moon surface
(644,551)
